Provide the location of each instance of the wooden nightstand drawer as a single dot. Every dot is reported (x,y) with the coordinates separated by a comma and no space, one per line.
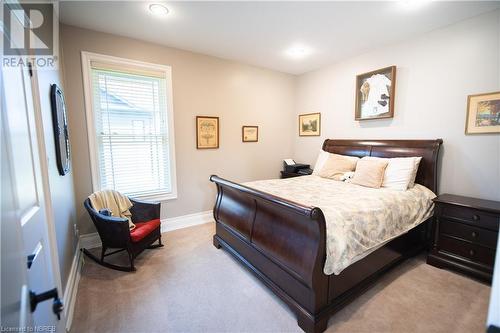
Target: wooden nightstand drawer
(465,235)
(468,250)
(469,215)
(475,235)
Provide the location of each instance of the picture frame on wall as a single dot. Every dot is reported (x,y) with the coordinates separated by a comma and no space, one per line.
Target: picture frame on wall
(483,113)
(250,133)
(375,93)
(207,132)
(310,124)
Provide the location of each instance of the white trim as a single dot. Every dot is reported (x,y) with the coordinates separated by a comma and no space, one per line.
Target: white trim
(155,197)
(87,58)
(87,91)
(44,175)
(186,221)
(69,298)
(92,240)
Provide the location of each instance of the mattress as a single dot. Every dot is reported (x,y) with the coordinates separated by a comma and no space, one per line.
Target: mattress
(359,219)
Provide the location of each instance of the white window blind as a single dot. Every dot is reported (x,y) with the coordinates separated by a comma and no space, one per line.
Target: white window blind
(132,139)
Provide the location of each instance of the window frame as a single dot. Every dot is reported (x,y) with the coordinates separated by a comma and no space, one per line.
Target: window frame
(87,59)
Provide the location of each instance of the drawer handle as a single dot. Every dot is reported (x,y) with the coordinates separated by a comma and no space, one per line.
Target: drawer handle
(474,234)
(475,217)
(472,252)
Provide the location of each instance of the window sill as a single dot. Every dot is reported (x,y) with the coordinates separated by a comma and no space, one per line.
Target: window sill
(155,197)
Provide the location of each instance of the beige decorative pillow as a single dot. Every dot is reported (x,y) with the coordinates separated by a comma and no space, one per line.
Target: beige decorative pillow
(370,172)
(337,165)
(320,161)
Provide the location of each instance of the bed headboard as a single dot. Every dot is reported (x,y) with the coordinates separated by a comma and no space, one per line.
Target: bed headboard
(427,149)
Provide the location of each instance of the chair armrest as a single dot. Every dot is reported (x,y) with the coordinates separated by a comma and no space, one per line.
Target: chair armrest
(114,231)
(144,211)
(111,219)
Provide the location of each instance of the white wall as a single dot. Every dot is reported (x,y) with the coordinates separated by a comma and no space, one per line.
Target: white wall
(435,73)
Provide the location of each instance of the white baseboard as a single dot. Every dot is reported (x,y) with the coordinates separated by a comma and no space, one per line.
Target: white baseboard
(90,241)
(185,221)
(69,297)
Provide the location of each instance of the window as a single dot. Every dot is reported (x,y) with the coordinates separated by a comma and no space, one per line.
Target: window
(130,126)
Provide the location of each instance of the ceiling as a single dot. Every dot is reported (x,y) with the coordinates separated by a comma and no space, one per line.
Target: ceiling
(260,33)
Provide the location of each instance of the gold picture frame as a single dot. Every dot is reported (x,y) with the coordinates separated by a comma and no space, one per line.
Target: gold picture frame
(250,133)
(483,113)
(375,94)
(207,132)
(310,124)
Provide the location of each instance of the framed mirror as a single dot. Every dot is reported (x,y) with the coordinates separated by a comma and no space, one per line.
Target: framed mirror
(60,124)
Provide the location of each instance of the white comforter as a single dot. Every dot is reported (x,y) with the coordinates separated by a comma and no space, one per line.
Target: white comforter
(358,219)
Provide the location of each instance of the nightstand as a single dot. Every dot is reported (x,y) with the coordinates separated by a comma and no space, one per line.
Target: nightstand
(285,174)
(465,235)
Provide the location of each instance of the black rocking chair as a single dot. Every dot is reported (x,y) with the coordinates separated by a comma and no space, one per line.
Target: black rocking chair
(115,233)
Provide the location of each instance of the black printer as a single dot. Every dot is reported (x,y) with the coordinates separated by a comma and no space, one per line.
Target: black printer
(298,168)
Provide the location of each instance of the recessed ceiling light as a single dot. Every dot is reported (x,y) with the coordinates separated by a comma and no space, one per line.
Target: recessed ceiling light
(298,52)
(158,9)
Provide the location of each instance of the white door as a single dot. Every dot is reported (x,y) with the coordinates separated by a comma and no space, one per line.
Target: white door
(24,218)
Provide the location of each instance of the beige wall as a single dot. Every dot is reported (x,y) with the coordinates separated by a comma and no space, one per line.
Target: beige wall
(202,85)
(435,73)
(61,187)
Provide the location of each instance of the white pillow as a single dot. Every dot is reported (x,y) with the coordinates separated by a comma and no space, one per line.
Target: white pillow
(414,176)
(400,172)
(323,157)
(320,161)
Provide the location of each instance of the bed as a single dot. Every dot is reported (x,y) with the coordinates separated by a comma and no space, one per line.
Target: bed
(284,242)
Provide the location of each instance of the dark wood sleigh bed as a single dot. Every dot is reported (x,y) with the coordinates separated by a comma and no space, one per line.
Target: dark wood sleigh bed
(284,243)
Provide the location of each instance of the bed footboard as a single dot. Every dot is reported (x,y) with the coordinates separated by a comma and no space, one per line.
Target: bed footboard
(282,242)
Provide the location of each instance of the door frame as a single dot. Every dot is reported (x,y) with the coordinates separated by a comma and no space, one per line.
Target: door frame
(44,173)
(44,169)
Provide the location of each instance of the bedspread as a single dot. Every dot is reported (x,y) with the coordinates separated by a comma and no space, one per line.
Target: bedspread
(358,219)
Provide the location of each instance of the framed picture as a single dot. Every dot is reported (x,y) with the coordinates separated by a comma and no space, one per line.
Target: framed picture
(375,94)
(207,132)
(60,125)
(483,113)
(250,133)
(310,124)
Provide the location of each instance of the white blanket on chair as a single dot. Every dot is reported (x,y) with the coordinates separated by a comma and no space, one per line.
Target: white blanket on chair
(116,202)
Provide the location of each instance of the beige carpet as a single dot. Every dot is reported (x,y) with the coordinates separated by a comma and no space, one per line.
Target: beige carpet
(189,286)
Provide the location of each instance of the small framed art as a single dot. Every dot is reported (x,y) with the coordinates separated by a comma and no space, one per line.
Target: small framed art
(250,133)
(310,124)
(375,94)
(483,113)
(207,132)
